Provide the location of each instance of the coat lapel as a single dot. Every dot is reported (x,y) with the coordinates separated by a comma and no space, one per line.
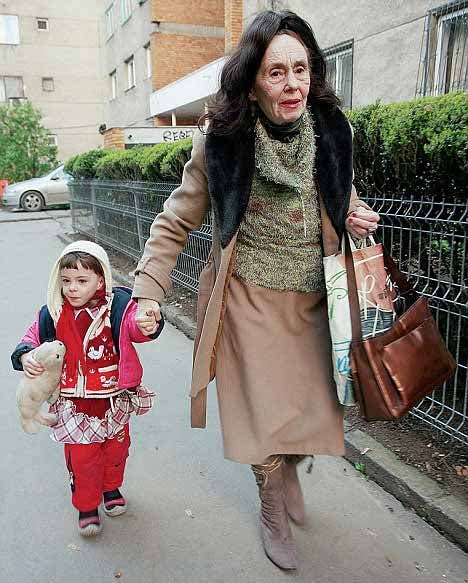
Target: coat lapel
(230,165)
(334,164)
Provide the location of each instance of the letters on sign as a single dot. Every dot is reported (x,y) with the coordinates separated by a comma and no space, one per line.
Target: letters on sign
(176,135)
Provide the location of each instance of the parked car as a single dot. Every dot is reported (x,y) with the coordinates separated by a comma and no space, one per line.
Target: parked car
(37,193)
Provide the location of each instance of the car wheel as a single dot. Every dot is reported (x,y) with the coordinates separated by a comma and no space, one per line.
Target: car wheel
(32,201)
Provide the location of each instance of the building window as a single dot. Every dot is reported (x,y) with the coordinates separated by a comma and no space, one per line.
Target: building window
(339,61)
(48,84)
(9,30)
(113,84)
(444,57)
(11,88)
(52,139)
(147,48)
(109,21)
(42,24)
(131,79)
(125,10)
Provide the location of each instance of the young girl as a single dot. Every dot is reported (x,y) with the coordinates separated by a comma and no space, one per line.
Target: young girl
(101,376)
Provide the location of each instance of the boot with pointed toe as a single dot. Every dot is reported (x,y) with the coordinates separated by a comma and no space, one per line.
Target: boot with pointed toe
(293,496)
(276,533)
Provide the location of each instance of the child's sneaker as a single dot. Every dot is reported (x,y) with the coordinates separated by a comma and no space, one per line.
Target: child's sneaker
(89,523)
(114,503)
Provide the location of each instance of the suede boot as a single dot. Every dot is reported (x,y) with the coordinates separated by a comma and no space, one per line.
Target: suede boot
(275,530)
(293,496)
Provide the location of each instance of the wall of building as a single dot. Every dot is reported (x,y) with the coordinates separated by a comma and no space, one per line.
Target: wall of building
(68,52)
(177,55)
(200,12)
(387,39)
(184,40)
(131,106)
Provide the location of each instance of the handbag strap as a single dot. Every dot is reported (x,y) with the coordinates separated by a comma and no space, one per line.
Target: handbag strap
(352,292)
(397,277)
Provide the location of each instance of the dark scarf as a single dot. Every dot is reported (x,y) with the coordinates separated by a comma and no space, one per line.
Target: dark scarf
(230,163)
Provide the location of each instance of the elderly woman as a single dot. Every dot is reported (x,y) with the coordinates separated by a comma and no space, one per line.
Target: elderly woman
(275,167)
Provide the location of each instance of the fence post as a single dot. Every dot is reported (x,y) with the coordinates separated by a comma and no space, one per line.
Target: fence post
(141,240)
(93,206)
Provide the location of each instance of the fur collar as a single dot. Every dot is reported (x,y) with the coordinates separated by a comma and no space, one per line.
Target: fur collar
(230,164)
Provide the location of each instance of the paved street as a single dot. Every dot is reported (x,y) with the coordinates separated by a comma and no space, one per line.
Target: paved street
(192,515)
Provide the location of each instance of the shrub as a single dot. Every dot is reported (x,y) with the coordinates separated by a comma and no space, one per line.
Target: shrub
(151,160)
(173,163)
(418,147)
(141,163)
(68,166)
(121,165)
(84,164)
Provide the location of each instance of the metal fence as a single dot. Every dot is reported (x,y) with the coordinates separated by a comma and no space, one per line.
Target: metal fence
(427,237)
(119,215)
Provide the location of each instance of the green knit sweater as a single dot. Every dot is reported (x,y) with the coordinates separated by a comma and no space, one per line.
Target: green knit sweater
(279,240)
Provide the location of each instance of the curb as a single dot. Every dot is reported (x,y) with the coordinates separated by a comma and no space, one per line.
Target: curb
(26,217)
(449,515)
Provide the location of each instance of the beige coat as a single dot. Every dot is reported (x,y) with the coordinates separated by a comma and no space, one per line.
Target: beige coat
(183,212)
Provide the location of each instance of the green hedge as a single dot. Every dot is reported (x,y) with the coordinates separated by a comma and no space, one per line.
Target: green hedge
(84,165)
(418,147)
(159,163)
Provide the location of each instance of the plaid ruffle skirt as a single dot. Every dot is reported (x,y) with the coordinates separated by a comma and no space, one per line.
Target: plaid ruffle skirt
(79,428)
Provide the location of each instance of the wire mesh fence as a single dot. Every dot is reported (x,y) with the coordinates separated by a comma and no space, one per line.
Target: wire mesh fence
(428,237)
(119,215)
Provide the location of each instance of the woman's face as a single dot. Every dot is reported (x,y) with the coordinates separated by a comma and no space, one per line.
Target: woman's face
(283,80)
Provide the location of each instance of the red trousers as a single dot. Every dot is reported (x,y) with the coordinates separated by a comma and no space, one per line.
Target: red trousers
(96,468)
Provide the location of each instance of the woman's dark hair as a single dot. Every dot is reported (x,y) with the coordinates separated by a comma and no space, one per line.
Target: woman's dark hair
(230,110)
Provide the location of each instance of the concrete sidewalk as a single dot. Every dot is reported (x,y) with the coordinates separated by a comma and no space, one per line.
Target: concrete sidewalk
(192,515)
(8,215)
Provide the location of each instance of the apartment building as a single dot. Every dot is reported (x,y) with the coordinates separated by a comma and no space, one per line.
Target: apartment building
(49,55)
(162,60)
(375,50)
(147,45)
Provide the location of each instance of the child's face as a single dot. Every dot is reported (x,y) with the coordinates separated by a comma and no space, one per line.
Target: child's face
(79,285)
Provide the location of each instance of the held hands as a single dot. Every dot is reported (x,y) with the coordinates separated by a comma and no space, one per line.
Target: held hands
(362,222)
(147,316)
(31,367)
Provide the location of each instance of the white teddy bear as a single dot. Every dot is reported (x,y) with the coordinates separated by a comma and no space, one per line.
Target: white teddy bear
(32,393)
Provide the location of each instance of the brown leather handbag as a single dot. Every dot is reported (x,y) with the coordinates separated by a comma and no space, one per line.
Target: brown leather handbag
(395,370)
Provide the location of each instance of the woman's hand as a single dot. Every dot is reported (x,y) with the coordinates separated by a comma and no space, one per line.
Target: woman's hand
(31,367)
(362,222)
(147,316)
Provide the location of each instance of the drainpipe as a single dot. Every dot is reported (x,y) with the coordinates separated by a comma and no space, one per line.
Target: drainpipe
(174,118)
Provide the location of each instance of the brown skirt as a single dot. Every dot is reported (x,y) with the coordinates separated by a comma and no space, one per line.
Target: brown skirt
(274,376)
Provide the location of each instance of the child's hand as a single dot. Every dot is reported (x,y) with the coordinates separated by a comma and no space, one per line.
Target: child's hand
(31,367)
(147,316)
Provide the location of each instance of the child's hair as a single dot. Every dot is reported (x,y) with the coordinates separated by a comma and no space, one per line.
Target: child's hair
(70,261)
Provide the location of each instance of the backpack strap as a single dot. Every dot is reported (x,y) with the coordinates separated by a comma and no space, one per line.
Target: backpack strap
(46,326)
(122,295)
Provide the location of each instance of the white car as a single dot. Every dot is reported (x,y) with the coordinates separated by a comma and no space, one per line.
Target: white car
(37,193)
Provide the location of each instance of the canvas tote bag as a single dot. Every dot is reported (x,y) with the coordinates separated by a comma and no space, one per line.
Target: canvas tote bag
(375,304)
(394,370)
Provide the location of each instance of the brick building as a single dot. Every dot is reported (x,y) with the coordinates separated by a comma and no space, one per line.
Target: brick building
(162,59)
(148,45)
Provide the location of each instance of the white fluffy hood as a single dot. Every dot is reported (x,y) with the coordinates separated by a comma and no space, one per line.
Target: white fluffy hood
(54,290)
